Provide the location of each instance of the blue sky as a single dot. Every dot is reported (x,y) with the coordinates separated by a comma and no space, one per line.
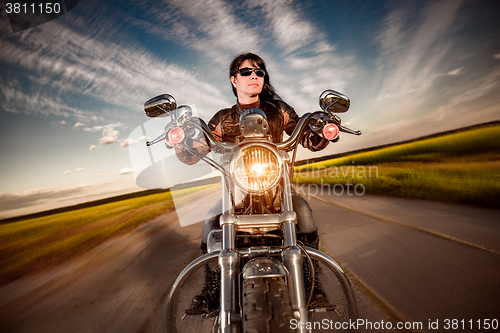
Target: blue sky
(72,90)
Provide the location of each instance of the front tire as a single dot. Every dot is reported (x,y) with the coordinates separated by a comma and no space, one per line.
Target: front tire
(266,306)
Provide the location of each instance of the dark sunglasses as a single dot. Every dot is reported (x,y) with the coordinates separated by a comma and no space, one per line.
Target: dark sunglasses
(248,71)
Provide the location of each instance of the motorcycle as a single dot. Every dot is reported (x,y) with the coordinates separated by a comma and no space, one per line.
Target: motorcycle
(256,249)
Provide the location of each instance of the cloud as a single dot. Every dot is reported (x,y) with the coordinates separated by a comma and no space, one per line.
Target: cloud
(79,124)
(127,142)
(14,99)
(100,127)
(289,30)
(123,75)
(496,56)
(92,147)
(211,28)
(479,94)
(455,71)
(412,52)
(70,63)
(126,170)
(79,170)
(66,173)
(109,135)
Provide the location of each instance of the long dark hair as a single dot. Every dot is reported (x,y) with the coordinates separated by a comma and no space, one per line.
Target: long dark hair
(268,94)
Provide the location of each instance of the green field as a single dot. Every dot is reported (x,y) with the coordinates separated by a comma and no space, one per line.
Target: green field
(36,243)
(462,167)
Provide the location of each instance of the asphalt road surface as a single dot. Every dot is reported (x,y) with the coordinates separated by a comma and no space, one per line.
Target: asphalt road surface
(417,261)
(431,263)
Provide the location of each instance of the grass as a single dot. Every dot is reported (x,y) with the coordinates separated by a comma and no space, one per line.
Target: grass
(460,168)
(35,243)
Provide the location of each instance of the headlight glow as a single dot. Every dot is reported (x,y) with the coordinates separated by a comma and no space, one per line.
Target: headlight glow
(256,168)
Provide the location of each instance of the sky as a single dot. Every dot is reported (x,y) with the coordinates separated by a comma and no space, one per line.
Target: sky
(73,89)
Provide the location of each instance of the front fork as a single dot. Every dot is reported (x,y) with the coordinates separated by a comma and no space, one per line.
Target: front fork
(292,257)
(229,267)
(229,264)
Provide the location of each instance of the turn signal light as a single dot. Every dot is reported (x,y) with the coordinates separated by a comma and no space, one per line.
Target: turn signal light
(175,135)
(331,131)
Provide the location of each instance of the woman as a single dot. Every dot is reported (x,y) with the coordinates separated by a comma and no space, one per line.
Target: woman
(251,85)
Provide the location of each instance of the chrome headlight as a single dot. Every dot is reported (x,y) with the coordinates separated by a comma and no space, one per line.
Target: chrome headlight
(256,168)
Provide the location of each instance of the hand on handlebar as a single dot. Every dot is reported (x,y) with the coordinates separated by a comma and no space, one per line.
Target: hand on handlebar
(191,148)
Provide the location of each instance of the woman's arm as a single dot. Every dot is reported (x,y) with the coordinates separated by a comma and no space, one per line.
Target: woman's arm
(310,139)
(198,144)
(201,142)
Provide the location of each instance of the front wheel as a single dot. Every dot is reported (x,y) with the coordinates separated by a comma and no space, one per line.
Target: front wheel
(266,305)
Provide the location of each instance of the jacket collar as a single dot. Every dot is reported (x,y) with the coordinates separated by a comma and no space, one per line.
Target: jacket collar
(240,108)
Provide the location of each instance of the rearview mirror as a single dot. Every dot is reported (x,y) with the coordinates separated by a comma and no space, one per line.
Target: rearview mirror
(333,101)
(160,105)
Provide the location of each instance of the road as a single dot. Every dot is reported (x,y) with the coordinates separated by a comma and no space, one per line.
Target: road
(417,260)
(428,262)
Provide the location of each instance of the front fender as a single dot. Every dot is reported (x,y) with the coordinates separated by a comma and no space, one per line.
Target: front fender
(173,296)
(341,276)
(264,267)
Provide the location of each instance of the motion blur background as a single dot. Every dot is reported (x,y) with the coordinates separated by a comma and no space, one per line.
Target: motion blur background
(73,89)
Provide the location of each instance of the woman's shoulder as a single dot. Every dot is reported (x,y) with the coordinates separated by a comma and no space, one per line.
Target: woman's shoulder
(280,105)
(220,115)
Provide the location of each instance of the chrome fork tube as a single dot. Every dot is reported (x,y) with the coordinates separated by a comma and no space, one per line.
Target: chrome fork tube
(229,267)
(292,258)
(229,262)
(287,188)
(226,197)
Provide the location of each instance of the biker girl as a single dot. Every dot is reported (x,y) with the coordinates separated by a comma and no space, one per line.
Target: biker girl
(251,85)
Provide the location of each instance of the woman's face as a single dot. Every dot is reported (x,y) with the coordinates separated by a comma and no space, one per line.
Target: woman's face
(247,86)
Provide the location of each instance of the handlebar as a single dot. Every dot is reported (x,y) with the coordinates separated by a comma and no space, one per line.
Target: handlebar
(288,145)
(348,130)
(292,141)
(158,139)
